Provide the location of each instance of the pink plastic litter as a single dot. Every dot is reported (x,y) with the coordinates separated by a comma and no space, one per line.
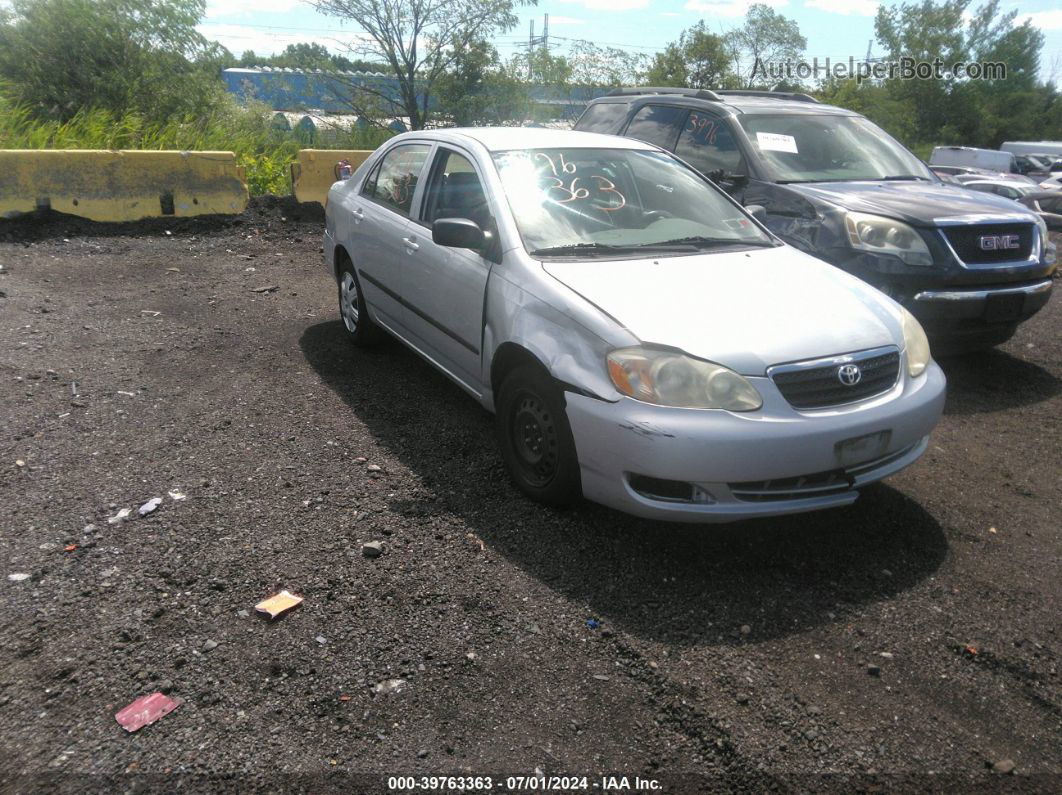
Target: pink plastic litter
(145,710)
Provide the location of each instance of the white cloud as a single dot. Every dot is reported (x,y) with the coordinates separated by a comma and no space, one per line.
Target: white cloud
(1044,20)
(610,5)
(242,8)
(238,38)
(859,8)
(730,9)
(555,19)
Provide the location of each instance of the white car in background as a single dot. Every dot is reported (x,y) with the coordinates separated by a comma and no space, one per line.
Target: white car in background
(643,341)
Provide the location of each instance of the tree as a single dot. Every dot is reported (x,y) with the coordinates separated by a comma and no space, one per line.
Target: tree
(956,109)
(604,66)
(477,90)
(418,40)
(766,37)
(699,59)
(144,56)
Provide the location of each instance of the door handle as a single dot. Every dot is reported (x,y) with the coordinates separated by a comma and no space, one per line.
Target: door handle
(358,214)
(410,243)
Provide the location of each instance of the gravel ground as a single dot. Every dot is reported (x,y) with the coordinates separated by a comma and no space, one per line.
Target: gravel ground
(909,641)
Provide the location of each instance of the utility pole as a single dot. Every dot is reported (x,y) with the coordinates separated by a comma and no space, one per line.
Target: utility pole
(869,43)
(539,41)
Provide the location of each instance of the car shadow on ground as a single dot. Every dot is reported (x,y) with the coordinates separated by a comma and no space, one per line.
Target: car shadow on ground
(994,380)
(681,584)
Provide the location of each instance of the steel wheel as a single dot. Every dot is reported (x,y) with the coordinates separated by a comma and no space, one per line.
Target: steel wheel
(348,302)
(535,440)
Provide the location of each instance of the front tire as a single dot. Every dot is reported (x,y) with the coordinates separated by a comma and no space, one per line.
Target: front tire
(353,311)
(535,438)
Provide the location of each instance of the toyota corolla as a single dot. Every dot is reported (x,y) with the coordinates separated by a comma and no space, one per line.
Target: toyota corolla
(642,340)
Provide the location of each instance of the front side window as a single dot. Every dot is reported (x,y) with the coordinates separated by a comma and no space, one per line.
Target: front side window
(657,124)
(455,191)
(707,144)
(394,181)
(826,148)
(623,202)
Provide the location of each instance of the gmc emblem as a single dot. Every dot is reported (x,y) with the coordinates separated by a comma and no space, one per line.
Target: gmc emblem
(998,242)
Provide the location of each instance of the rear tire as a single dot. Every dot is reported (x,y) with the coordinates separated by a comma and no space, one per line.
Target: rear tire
(535,438)
(353,311)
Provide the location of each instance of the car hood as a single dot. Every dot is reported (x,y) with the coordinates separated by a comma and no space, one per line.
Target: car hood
(746,310)
(917,203)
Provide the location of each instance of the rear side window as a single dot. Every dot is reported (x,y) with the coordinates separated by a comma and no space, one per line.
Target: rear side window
(604,117)
(707,144)
(658,124)
(394,181)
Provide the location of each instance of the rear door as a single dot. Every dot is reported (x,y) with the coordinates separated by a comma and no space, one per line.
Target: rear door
(444,286)
(380,229)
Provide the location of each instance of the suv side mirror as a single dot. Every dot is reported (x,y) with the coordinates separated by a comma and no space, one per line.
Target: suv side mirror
(457,233)
(757,211)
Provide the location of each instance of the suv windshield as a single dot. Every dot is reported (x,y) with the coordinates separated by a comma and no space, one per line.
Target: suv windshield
(583,202)
(810,148)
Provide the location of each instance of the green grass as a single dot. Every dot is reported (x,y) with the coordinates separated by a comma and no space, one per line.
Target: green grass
(262,150)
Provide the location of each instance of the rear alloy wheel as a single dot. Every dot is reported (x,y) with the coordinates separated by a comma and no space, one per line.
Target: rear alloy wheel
(352,310)
(536,439)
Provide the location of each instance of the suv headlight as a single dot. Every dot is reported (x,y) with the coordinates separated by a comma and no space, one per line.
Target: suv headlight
(673,379)
(1047,248)
(882,235)
(916,343)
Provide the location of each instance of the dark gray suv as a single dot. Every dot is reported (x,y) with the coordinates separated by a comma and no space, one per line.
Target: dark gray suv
(969,266)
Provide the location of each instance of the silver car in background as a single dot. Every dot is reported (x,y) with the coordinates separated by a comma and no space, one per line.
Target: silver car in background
(642,340)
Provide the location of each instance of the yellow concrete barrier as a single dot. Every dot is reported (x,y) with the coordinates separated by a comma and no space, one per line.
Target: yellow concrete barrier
(313,171)
(120,185)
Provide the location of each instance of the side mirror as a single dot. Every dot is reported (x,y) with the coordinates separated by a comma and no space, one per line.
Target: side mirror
(457,233)
(757,211)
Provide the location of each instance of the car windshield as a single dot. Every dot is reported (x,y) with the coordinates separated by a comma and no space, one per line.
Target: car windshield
(823,148)
(627,202)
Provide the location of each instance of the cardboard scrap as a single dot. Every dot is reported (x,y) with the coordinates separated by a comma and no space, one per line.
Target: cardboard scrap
(145,710)
(280,603)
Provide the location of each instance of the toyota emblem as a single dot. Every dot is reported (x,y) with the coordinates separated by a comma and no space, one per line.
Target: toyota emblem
(849,374)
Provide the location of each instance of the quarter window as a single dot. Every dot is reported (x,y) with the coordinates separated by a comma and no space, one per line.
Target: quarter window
(604,117)
(657,124)
(394,181)
(707,144)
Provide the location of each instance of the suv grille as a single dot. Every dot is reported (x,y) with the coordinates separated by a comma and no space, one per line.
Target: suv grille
(816,384)
(967,242)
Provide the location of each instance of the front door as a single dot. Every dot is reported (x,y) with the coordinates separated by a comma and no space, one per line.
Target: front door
(445,286)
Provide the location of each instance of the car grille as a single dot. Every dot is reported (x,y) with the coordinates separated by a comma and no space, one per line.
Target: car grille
(966,240)
(813,386)
(819,484)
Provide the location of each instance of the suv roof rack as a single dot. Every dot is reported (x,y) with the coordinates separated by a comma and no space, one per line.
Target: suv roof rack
(749,92)
(697,93)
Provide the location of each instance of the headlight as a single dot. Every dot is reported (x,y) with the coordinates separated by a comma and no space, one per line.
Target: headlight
(885,236)
(1046,246)
(672,379)
(916,343)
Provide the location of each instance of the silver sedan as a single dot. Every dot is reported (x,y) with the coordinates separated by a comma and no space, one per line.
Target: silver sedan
(641,339)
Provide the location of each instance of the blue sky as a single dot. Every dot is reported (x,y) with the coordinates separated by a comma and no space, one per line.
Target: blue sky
(834,28)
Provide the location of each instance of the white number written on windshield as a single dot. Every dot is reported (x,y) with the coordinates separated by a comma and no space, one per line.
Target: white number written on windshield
(601,195)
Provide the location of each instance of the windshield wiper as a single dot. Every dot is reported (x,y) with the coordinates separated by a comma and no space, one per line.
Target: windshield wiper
(605,248)
(700,241)
(903,178)
(576,248)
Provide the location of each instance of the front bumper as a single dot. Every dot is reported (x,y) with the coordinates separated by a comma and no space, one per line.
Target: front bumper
(723,452)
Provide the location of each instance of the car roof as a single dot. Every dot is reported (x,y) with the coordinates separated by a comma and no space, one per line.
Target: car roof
(500,139)
(733,104)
